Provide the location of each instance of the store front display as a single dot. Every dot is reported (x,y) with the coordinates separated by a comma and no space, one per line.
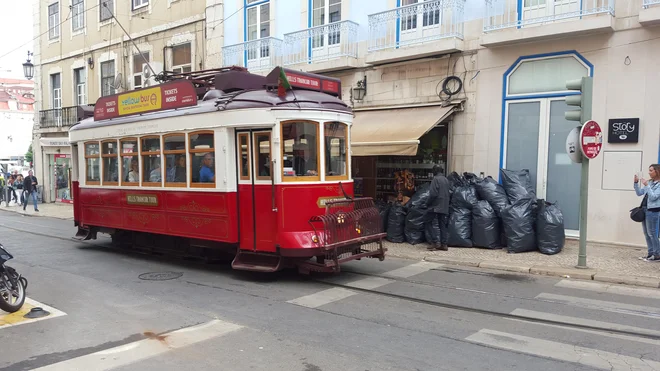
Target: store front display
(390,177)
(61,180)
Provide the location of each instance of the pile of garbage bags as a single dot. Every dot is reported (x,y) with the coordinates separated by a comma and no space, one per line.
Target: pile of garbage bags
(482,213)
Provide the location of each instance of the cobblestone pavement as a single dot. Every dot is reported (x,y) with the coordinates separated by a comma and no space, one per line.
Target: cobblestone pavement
(619,260)
(53,210)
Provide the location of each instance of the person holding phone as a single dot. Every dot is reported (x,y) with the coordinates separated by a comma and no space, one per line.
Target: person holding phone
(651,225)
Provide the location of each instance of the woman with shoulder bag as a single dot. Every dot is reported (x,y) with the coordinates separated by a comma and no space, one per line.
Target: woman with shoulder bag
(651,224)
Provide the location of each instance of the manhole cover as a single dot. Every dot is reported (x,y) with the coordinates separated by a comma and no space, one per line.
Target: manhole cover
(160,276)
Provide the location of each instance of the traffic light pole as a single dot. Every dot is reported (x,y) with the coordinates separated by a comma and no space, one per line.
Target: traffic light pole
(584,196)
(584,101)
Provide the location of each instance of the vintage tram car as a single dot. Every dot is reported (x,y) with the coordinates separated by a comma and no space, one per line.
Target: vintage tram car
(226,161)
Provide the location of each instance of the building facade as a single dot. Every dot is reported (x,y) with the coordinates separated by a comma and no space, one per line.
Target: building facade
(477,85)
(16,120)
(93,48)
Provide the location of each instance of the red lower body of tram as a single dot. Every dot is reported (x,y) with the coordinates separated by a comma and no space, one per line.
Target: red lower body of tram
(265,227)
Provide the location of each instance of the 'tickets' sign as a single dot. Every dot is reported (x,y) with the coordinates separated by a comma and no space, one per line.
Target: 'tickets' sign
(170,95)
(623,131)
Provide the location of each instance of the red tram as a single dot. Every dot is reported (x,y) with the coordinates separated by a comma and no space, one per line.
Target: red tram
(226,161)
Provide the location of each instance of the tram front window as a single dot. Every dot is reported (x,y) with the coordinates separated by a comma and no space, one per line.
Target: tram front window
(336,139)
(300,149)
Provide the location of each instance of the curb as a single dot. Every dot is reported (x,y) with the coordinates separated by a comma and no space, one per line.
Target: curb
(34,215)
(582,274)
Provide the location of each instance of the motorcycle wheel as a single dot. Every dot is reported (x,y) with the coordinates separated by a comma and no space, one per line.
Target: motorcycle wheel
(12,293)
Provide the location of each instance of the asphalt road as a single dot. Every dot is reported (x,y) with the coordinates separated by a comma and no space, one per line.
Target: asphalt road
(391,315)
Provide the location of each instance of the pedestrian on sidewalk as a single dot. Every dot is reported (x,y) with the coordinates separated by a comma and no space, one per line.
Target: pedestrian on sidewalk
(651,224)
(438,202)
(30,185)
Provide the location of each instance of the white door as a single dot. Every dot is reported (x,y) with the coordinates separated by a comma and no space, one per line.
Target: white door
(258,33)
(326,40)
(535,139)
(421,21)
(552,9)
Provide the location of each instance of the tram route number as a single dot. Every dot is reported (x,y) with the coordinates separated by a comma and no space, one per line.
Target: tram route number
(145,200)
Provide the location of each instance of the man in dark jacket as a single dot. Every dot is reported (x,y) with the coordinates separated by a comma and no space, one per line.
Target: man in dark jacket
(438,203)
(30,185)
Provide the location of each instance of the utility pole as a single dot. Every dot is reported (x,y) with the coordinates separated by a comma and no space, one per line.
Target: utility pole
(583,114)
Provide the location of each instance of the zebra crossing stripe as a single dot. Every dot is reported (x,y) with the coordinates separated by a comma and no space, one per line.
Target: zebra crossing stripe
(608,306)
(609,288)
(563,352)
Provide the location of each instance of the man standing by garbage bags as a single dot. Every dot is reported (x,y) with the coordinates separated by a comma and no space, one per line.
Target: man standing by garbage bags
(438,203)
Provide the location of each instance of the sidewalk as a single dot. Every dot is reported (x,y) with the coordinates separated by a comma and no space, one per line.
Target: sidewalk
(606,263)
(54,210)
(612,264)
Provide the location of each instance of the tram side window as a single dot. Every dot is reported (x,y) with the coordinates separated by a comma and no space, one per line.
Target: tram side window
(202,159)
(130,164)
(93,163)
(300,150)
(110,162)
(336,139)
(152,174)
(174,150)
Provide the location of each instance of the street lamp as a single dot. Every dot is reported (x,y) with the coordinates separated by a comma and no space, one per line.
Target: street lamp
(361,90)
(28,67)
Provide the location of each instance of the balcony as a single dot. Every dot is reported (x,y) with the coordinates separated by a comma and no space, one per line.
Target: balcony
(650,13)
(323,48)
(414,31)
(261,55)
(509,22)
(64,117)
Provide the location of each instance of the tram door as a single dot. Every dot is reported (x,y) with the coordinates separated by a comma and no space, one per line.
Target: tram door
(257,216)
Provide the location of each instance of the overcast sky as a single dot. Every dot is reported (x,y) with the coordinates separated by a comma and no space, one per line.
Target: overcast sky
(16,30)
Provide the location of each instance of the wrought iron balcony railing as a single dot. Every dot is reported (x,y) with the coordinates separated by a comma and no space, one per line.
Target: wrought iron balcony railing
(416,24)
(255,55)
(501,14)
(322,43)
(648,3)
(64,117)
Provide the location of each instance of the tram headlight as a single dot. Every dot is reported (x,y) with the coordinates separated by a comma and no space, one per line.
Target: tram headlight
(315,239)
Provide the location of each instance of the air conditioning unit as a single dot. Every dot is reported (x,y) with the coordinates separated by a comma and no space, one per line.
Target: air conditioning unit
(149,77)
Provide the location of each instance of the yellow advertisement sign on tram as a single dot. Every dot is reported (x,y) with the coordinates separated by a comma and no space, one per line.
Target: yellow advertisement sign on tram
(140,101)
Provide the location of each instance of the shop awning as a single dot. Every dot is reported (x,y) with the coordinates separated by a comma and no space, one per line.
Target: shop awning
(394,132)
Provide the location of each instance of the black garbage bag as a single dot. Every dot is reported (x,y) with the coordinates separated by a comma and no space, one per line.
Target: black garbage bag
(420,198)
(460,227)
(396,222)
(550,235)
(464,197)
(517,184)
(519,221)
(488,189)
(416,218)
(384,211)
(455,181)
(486,231)
(414,229)
(471,178)
(432,228)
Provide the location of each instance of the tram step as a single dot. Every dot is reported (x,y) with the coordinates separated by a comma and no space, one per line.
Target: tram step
(247,261)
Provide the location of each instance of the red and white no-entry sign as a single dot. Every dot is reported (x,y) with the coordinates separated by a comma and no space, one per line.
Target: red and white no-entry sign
(591,139)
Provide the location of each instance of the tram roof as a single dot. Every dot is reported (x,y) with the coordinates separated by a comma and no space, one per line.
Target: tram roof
(240,92)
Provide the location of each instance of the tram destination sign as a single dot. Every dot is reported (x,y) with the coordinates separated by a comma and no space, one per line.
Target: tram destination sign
(170,95)
(306,81)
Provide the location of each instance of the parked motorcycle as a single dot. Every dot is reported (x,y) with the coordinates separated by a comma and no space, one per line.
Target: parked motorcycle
(12,285)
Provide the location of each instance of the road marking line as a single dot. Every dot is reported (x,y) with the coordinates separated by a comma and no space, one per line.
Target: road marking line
(608,306)
(370,283)
(16,318)
(563,352)
(583,321)
(143,349)
(413,269)
(609,288)
(322,297)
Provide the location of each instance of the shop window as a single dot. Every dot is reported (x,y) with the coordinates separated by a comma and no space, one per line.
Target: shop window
(130,162)
(244,156)
(174,150)
(262,156)
(300,151)
(336,149)
(92,163)
(110,157)
(202,159)
(152,174)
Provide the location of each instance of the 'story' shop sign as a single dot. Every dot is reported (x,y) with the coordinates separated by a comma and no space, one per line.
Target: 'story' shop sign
(623,130)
